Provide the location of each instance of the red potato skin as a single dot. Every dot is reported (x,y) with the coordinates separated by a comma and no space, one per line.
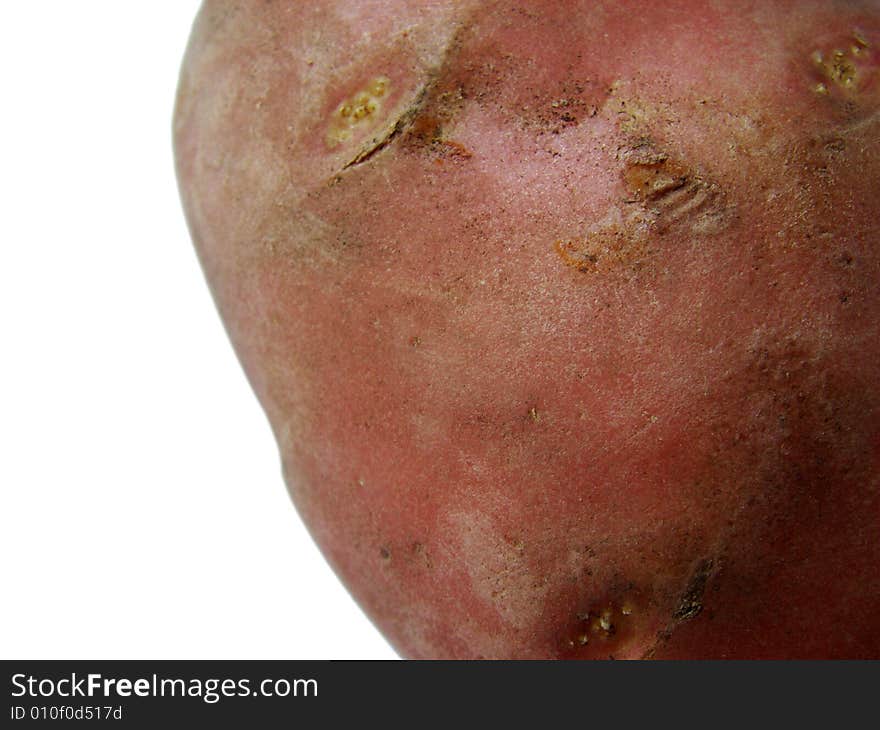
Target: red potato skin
(570,344)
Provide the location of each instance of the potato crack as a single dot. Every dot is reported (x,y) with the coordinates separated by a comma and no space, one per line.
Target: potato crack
(691,604)
(392,131)
(428,94)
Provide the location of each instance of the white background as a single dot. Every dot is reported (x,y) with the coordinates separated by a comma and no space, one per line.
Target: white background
(143,512)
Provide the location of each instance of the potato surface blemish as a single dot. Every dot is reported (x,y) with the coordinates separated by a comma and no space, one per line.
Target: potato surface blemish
(358,112)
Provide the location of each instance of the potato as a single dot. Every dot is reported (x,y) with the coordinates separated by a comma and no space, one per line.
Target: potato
(564,314)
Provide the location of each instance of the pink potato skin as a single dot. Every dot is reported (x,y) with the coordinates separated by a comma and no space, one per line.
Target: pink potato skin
(570,344)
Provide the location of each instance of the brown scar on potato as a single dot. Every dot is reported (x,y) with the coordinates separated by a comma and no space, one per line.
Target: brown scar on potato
(654,176)
(662,194)
(427,134)
(674,192)
(613,246)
